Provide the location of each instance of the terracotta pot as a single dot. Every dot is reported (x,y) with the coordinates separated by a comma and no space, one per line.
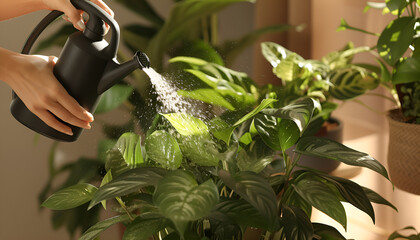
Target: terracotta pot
(404,153)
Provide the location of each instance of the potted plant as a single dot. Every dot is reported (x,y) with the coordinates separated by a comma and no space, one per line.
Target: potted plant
(190,29)
(216,177)
(398,55)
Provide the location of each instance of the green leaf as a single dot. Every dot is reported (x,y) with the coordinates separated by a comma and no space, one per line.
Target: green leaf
(238,211)
(254,163)
(163,148)
(414,236)
(385,74)
(93,232)
(352,193)
(200,149)
(348,83)
(395,39)
(207,95)
(268,128)
(288,133)
(142,228)
(183,15)
(297,224)
(327,232)
(182,200)
(376,198)
(256,191)
(393,5)
(128,182)
(226,134)
(129,146)
(107,178)
(326,148)
(300,112)
(70,197)
(319,195)
(186,124)
(407,71)
(113,97)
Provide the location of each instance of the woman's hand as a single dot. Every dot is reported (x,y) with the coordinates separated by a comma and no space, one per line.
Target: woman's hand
(72,14)
(31,77)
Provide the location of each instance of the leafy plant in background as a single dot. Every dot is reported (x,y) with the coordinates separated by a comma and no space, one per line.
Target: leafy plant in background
(397,47)
(398,235)
(190,30)
(219,177)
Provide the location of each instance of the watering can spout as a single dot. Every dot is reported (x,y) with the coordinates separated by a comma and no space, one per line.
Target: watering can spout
(115,71)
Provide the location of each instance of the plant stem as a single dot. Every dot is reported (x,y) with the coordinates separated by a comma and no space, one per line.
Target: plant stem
(214,29)
(125,208)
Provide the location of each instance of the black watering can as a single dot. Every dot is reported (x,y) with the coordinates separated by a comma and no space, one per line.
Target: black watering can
(86,67)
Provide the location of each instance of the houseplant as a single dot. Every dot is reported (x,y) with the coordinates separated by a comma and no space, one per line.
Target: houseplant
(397,49)
(190,29)
(217,177)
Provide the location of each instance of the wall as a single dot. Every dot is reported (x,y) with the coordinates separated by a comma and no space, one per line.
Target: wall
(23,159)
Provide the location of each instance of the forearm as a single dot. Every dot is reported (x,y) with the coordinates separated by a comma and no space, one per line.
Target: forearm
(9,62)
(15,8)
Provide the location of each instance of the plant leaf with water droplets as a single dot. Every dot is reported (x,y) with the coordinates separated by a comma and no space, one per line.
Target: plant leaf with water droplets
(129,146)
(128,182)
(70,197)
(207,95)
(99,227)
(186,124)
(256,190)
(326,148)
(268,128)
(163,148)
(200,149)
(182,200)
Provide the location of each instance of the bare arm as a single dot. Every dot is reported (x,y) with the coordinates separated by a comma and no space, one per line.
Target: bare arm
(31,76)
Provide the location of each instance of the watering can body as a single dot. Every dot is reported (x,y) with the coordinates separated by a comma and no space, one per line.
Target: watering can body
(86,68)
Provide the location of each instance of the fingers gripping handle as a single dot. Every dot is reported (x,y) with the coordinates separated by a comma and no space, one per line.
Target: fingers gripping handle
(94,26)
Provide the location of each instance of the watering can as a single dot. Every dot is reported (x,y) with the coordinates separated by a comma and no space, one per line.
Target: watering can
(86,66)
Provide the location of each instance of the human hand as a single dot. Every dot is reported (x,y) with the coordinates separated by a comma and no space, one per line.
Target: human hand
(72,14)
(34,83)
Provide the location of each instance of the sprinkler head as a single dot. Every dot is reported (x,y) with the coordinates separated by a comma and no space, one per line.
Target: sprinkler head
(143,59)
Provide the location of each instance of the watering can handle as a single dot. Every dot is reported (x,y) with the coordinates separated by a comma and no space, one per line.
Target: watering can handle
(93,11)
(95,24)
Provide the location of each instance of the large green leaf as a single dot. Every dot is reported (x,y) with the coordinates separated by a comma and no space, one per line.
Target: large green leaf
(252,162)
(129,146)
(182,200)
(407,71)
(93,232)
(395,39)
(288,133)
(348,83)
(70,197)
(326,148)
(238,211)
(297,225)
(183,15)
(256,190)
(207,95)
(319,195)
(353,193)
(186,124)
(113,97)
(300,112)
(142,228)
(200,149)
(268,128)
(163,148)
(226,134)
(128,182)
(327,232)
(376,198)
